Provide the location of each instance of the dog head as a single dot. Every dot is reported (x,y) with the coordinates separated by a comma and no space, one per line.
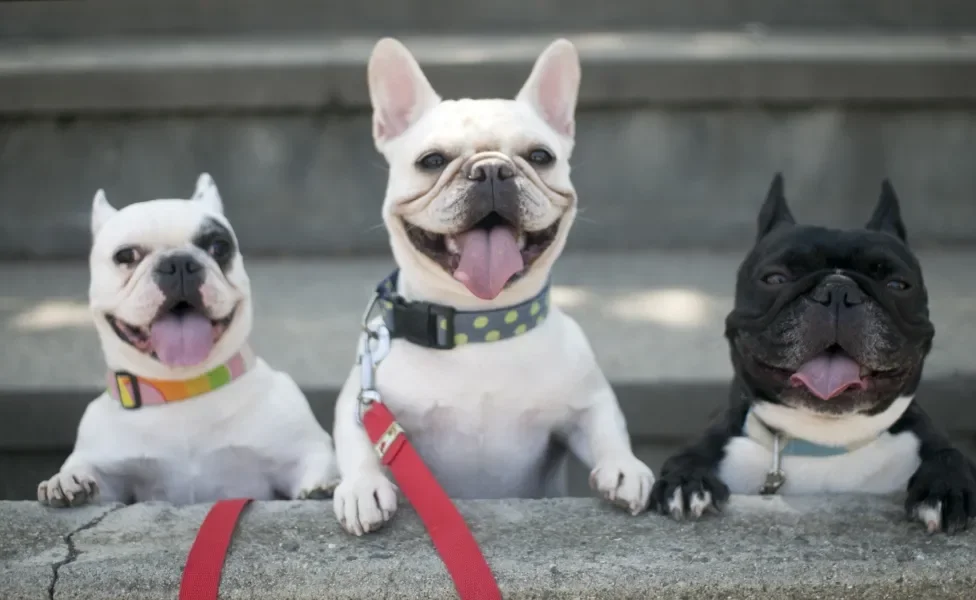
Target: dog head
(830,321)
(479,200)
(169,293)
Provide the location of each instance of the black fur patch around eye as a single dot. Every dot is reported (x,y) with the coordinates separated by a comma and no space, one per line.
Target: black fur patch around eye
(216,240)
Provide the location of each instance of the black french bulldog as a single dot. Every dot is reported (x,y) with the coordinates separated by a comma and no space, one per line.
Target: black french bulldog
(828,337)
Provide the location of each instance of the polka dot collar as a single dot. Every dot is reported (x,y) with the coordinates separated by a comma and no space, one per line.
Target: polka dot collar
(442,327)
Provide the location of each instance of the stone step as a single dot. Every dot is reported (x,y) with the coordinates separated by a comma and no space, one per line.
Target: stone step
(48,18)
(654,319)
(678,134)
(315,71)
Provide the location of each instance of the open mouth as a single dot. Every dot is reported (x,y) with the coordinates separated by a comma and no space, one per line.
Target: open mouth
(182,336)
(830,374)
(487,257)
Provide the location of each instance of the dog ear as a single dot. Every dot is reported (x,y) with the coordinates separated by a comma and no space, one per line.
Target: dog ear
(398,90)
(887,214)
(553,86)
(102,211)
(206,191)
(774,212)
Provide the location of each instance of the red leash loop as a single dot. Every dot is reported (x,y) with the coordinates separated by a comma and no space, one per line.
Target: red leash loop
(201,575)
(472,576)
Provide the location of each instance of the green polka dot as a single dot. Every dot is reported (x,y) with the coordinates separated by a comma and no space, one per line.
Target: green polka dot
(387,305)
(493,335)
(511,316)
(540,319)
(521,329)
(460,339)
(444,324)
(534,309)
(481,322)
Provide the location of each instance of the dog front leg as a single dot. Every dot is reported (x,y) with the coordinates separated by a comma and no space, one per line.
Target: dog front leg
(77,483)
(304,459)
(364,498)
(942,491)
(89,475)
(599,438)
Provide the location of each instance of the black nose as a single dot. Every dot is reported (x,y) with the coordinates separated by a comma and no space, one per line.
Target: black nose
(484,172)
(838,292)
(179,276)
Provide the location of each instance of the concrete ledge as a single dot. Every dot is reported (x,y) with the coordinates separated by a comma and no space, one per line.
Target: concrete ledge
(312,71)
(797,548)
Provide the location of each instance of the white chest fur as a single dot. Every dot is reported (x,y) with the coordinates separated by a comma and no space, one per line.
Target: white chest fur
(246,439)
(483,416)
(882,466)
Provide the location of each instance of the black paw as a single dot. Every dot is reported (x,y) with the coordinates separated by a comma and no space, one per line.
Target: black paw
(688,492)
(942,493)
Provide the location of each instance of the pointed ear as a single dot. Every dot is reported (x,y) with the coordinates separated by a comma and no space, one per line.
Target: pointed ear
(553,86)
(398,90)
(774,212)
(887,215)
(102,211)
(206,191)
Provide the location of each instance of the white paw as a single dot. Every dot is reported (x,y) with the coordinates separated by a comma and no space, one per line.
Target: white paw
(698,504)
(626,482)
(362,504)
(930,515)
(67,489)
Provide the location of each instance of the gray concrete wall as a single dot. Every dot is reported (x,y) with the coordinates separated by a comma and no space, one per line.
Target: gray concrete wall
(647,178)
(842,548)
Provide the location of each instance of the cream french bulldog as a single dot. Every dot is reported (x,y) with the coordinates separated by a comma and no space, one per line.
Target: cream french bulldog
(190,414)
(489,381)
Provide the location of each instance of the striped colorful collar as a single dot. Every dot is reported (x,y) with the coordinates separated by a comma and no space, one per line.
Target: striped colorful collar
(135,392)
(443,327)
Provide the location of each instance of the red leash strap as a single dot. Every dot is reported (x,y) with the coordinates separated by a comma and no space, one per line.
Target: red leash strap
(201,575)
(450,534)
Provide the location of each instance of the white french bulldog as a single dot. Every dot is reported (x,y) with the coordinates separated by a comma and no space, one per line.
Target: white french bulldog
(478,206)
(190,415)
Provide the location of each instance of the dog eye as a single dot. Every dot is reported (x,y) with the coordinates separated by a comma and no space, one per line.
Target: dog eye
(432,161)
(541,157)
(219,249)
(127,256)
(775,279)
(898,285)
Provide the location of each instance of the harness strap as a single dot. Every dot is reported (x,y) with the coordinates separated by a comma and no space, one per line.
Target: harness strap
(204,562)
(457,547)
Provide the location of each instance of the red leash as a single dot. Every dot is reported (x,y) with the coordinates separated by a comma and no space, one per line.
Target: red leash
(201,575)
(450,534)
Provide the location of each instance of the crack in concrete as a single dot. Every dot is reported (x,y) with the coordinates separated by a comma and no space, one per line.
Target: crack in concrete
(74,553)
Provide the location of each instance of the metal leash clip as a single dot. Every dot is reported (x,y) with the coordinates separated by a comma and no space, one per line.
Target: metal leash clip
(775,478)
(374,345)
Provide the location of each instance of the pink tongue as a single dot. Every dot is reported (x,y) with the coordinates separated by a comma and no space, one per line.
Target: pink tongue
(488,260)
(182,341)
(829,375)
